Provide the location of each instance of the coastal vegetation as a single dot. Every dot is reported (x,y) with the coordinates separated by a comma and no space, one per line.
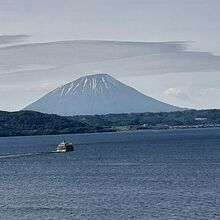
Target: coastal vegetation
(36,123)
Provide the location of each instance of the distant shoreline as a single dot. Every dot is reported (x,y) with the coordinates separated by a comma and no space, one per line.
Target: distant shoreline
(30,123)
(119,131)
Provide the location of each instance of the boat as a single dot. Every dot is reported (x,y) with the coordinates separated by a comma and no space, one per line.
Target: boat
(65,147)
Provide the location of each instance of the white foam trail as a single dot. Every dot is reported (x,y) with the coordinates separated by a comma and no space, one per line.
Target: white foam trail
(25,154)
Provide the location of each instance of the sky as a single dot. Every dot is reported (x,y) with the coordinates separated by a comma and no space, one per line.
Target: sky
(185,74)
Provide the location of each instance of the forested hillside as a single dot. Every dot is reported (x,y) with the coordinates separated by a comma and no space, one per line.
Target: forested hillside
(35,123)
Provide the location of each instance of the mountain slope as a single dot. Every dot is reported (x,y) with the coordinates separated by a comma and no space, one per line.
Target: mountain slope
(97,94)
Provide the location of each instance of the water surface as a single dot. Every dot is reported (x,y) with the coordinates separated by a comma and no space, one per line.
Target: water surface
(173,174)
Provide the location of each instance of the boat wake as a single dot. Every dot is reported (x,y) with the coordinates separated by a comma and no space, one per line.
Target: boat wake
(5,156)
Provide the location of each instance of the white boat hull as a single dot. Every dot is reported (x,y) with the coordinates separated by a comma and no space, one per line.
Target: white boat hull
(64,147)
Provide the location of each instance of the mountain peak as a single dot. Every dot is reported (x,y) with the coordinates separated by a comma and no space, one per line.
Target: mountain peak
(97,94)
(90,84)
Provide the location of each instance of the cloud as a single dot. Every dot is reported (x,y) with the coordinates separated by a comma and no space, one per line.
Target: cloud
(124,58)
(13,88)
(11,39)
(176,92)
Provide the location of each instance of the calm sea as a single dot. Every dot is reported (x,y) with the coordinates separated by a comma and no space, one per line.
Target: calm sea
(172,174)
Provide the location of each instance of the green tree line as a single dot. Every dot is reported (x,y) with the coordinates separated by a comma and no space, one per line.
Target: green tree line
(36,123)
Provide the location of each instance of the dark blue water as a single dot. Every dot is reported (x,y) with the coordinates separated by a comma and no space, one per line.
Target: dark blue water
(171,174)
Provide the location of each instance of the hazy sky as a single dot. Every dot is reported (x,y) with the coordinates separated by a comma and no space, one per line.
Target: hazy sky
(192,21)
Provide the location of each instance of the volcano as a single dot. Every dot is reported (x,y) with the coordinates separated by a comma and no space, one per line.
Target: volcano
(97,94)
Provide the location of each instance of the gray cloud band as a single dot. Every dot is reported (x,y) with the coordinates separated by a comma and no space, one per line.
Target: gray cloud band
(123,58)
